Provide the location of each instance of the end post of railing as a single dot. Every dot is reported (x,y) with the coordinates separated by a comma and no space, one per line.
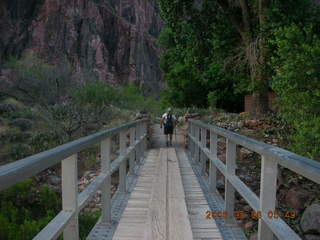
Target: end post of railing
(123,165)
(105,147)
(268,190)
(212,166)
(69,173)
(229,189)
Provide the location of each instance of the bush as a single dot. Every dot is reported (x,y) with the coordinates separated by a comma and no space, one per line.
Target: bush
(24,210)
(20,150)
(101,95)
(22,123)
(37,82)
(7,108)
(296,82)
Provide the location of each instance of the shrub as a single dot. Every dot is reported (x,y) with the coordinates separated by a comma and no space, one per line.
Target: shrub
(296,82)
(37,82)
(20,150)
(24,210)
(7,108)
(22,123)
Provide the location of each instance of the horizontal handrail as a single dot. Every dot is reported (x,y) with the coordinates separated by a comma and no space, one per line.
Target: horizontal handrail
(271,157)
(19,170)
(57,224)
(72,202)
(297,163)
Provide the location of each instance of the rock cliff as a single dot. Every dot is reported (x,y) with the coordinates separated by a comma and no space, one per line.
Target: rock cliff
(116,39)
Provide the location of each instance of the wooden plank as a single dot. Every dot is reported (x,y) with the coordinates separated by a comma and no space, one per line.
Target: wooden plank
(156,222)
(197,205)
(178,219)
(133,220)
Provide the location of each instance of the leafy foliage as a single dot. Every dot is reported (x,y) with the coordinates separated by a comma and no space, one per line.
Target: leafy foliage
(37,82)
(195,62)
(26,210)
(297,68)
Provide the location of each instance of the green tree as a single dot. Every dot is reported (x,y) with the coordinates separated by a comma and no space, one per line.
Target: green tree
(297,68)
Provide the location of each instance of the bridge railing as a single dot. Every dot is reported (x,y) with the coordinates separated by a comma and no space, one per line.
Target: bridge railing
(271,157)
(72,202)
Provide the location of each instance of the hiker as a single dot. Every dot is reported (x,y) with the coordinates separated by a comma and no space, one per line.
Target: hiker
(169,121)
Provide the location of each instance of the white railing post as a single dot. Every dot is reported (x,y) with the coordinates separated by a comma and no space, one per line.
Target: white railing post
(132,155)
(123,165)
(70,195)
(213,168)
(197,149)
(191,150)
(229,189)
(204,145)
(144,130)
(268,190)
(139,152)
(105,147)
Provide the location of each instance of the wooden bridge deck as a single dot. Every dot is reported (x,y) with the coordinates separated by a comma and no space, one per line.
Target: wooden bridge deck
(166,202)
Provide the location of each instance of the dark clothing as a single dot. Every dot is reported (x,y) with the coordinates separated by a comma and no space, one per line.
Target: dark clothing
(168,130)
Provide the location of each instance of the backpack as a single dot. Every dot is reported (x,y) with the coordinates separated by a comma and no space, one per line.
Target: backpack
(169,122)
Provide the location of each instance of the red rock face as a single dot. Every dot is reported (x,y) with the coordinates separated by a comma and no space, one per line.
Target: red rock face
(116,39)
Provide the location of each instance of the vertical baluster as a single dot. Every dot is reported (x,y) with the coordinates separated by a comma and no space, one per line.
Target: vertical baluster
(70,195)
(188,138)
(229,189)
(213,168)
(204,145)
(139,145)
(144,129)
(105,147)
(193,143)
(268,190)
(132,155)
(190,141)
(123,166)
(197,137)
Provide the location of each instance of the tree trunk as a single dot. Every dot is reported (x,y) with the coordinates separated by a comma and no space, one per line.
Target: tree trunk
(260,96)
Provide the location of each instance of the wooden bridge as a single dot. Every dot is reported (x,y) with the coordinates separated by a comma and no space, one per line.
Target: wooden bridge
(163,193)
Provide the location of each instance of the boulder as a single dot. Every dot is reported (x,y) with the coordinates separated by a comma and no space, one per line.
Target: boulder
(244,154)
(252,123)
(54,180)
(310,220)
(220,184)
(22,123)
(312,237)
(7,108)
(296,198)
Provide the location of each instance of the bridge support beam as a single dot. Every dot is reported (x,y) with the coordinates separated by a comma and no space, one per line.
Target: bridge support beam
(229,189)
(268,190)
(106,188)
(70,195)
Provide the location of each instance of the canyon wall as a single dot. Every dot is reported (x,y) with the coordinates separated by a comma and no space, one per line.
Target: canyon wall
(115,39)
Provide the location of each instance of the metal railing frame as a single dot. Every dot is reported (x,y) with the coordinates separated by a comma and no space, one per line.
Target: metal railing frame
(67,219)
(271,157)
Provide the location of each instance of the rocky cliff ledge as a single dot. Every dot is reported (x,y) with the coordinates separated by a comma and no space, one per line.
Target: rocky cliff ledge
(114,38)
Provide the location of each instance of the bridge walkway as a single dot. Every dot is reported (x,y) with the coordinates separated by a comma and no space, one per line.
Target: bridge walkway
(167,201)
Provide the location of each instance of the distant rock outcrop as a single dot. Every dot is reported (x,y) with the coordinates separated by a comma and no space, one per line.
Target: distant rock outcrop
(114,38)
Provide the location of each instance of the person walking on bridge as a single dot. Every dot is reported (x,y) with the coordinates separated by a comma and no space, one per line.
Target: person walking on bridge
(168,120)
